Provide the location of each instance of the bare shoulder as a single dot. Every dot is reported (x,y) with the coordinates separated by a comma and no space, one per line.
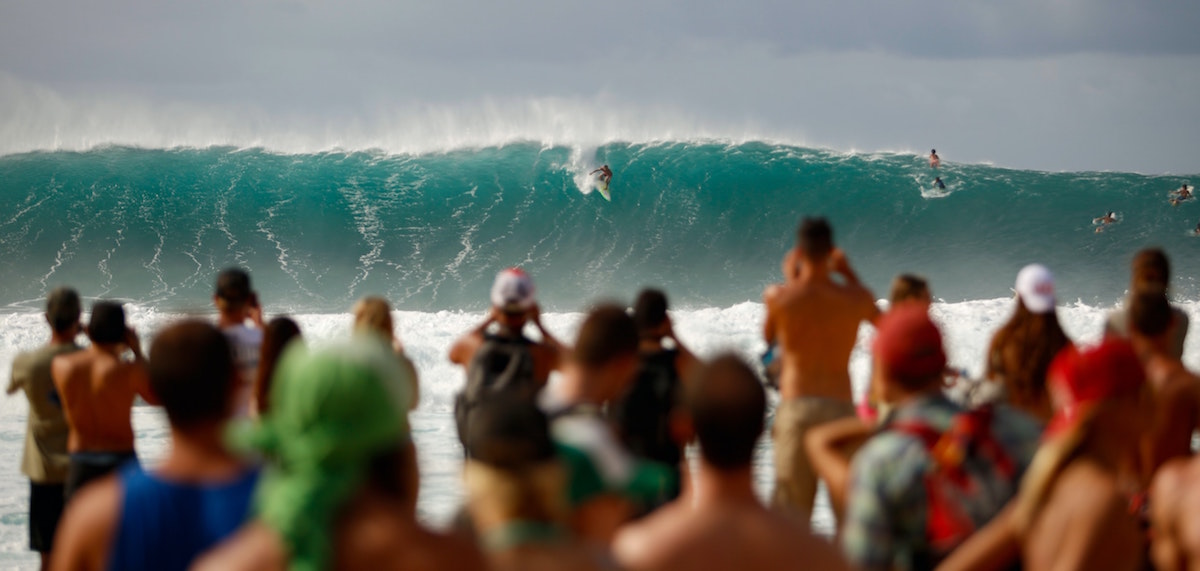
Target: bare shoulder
(255,547)
(648,543)
(464,348)
(1091,495)
(87,526)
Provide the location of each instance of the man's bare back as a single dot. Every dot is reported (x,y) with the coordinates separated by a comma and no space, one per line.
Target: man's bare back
(1084,525)
(815,321)
(1177,411)
(724,536)
(97,391)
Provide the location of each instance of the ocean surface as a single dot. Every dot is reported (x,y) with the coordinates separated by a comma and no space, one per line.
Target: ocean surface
(708,221)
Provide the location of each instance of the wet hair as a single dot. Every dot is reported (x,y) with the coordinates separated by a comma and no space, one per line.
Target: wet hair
(650,310)
(63,309)
(1020,354)
(728,406)
(815,238)
(233,286)
(933,151)
(1150,313)
(192,372)
(1150,269)
(373,313)
(907,287)
(278,333)
(608,333)
(107,324)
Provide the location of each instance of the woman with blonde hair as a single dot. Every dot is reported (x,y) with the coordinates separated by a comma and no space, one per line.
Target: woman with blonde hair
(373,316)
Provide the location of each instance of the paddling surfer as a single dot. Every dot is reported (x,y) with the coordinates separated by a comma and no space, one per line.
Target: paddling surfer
(1103,221)
(937,181)
(1180,194)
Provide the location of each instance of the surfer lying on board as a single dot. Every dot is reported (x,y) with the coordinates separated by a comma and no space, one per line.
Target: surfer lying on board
(1104,221)
(937,181)
(934,160)
(605,174)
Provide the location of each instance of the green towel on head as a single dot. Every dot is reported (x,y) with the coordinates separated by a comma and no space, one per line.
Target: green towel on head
(332,411)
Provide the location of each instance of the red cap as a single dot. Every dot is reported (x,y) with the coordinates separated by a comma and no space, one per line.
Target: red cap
(1080,379)
(908,344)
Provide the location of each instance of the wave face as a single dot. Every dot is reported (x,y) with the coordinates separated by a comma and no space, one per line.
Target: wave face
(708,221)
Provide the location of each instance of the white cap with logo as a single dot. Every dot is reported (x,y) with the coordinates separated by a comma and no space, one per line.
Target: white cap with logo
(513,291)
(1035,285)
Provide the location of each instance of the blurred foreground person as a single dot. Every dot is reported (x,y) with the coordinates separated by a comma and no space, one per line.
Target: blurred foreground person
(1150,272)
(240,318)
(516,492)
(934,473)
(1176,390)
(340,491)
(45,458)
(1073,511)
(726,527)
(607,485)
(161,520)
(1175,516)
(646,415)
(278,333)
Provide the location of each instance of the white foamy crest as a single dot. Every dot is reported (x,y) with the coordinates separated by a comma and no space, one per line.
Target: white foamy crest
(36,118)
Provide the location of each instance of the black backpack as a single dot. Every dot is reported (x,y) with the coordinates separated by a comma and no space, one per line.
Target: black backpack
(642,416)
(501,368)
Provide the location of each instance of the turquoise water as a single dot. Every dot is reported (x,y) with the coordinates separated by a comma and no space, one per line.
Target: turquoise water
(709,221)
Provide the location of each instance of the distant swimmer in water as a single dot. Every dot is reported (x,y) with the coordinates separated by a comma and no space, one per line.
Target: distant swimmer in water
(1197,230)
(1181,194)
(1104,221)
(934,160)
(605,174)
(937,181)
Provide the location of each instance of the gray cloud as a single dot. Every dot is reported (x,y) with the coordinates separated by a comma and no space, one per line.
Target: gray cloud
(1044,84)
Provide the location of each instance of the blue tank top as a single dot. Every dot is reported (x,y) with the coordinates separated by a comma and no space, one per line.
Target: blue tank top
(165,525)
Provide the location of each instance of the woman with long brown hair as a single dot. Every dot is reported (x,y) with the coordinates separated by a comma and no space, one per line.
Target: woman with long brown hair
(1022,349)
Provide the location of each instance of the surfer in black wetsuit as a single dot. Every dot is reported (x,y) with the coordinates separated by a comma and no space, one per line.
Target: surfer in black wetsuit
(937,181)
(605,174)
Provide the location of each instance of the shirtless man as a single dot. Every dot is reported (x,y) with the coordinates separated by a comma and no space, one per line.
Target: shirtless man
(605,174)
(141,520)
(1175,516)
(97,388)
(1176,390)
(1181,194)
(724,526)
(934,160)
(815,321)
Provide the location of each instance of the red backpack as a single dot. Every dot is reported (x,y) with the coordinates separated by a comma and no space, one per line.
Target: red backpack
(947,483)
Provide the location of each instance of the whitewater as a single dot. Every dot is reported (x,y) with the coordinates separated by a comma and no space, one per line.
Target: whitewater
(706,220)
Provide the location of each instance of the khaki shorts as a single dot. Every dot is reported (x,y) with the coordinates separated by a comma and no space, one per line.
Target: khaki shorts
(795,479)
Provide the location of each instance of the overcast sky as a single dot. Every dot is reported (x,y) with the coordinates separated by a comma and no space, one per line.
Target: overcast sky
(1046,84)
